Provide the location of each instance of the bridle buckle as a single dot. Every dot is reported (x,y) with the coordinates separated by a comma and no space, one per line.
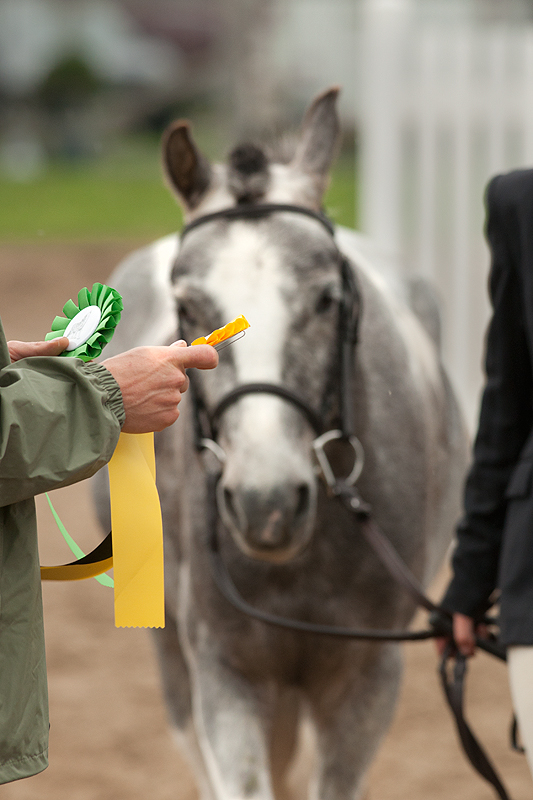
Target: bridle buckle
(323,461)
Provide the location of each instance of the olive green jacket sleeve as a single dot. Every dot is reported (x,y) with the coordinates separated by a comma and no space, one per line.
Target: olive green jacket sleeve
(60,420)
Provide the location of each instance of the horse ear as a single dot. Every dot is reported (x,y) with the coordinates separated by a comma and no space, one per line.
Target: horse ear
(187,170)
(317,146)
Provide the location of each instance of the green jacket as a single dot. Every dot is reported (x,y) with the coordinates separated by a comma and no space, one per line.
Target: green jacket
(59,423)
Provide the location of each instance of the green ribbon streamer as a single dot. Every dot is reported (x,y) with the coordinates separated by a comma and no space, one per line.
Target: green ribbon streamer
(109,301)
(104,579)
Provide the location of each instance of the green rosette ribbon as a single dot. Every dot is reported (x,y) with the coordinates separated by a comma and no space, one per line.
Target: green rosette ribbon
(89,325)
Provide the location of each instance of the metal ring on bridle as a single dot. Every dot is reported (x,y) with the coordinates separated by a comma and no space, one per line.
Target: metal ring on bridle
(215,448)
(325,466)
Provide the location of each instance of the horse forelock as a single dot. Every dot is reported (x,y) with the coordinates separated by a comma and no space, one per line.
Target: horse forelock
(254,176)
(248,173)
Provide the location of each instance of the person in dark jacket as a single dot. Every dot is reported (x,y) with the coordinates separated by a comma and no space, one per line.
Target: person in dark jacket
(493,557)
(60,421)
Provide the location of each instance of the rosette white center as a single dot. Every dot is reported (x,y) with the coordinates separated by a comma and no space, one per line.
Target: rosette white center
(82,326)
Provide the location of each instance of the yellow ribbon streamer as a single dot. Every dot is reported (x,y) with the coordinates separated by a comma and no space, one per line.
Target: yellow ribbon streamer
(137,538)
(137,534)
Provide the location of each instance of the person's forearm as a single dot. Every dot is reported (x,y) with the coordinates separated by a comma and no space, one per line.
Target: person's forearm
(59,422)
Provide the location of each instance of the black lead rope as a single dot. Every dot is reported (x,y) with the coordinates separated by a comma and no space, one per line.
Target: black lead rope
(230,592)
(454,691)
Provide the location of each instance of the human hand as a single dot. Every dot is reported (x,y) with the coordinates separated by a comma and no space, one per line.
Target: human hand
(465,631)
(152,380)
(54,347)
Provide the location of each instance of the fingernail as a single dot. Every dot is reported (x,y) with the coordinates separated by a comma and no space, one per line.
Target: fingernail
(179,343)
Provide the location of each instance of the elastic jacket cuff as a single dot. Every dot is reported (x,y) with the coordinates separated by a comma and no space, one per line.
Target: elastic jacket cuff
(107,382)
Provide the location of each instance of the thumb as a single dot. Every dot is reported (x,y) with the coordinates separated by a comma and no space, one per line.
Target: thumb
(55,346)
(179,343)
(201,356)
(464,634)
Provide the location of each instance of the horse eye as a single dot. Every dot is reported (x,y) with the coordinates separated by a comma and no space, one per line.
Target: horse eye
(324,302)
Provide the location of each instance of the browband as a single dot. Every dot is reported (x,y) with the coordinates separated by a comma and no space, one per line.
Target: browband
(253,211)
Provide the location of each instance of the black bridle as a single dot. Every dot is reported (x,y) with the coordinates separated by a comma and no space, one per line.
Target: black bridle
(349,314)
(206,422)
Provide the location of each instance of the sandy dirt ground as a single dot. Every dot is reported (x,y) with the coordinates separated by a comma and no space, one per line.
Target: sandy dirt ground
(109,737)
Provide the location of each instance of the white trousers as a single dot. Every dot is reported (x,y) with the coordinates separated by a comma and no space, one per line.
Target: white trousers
(520,668)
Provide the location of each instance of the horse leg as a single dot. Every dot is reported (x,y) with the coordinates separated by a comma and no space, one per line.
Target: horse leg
(232,722)
(177,693)
(288,773)
(351,712)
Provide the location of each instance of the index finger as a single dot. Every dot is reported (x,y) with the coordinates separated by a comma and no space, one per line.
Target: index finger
(463,633)
(200,356)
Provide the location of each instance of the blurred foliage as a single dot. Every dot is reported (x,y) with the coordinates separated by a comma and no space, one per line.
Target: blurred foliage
(70,82)
(341,198)
(121,195)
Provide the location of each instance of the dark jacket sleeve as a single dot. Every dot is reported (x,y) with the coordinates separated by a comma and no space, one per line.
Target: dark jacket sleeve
(506,408)
(60,421)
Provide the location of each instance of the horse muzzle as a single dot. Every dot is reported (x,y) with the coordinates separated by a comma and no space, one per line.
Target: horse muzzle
(271,524)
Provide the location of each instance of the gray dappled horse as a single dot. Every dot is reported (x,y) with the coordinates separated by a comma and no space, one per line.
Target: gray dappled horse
(238,689)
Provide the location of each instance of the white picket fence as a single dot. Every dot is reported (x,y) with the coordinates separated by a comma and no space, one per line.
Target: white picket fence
(444,101)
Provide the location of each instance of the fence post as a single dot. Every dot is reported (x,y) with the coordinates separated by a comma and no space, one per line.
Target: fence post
(383,29)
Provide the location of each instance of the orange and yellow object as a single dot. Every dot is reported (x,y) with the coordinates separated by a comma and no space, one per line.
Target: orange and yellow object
(238,325)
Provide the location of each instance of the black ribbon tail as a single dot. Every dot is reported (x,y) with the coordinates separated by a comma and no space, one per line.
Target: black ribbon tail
(100,553)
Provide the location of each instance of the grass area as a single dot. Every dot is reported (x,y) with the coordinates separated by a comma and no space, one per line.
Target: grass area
(120,196)
(340,202)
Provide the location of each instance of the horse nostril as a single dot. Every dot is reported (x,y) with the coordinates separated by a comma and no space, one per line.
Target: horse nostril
(303,501)
(231,510)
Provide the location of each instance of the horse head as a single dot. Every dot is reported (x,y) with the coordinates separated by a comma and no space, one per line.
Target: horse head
(282,270)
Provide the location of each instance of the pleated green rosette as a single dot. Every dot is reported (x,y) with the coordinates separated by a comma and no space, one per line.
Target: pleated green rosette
(89,325)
